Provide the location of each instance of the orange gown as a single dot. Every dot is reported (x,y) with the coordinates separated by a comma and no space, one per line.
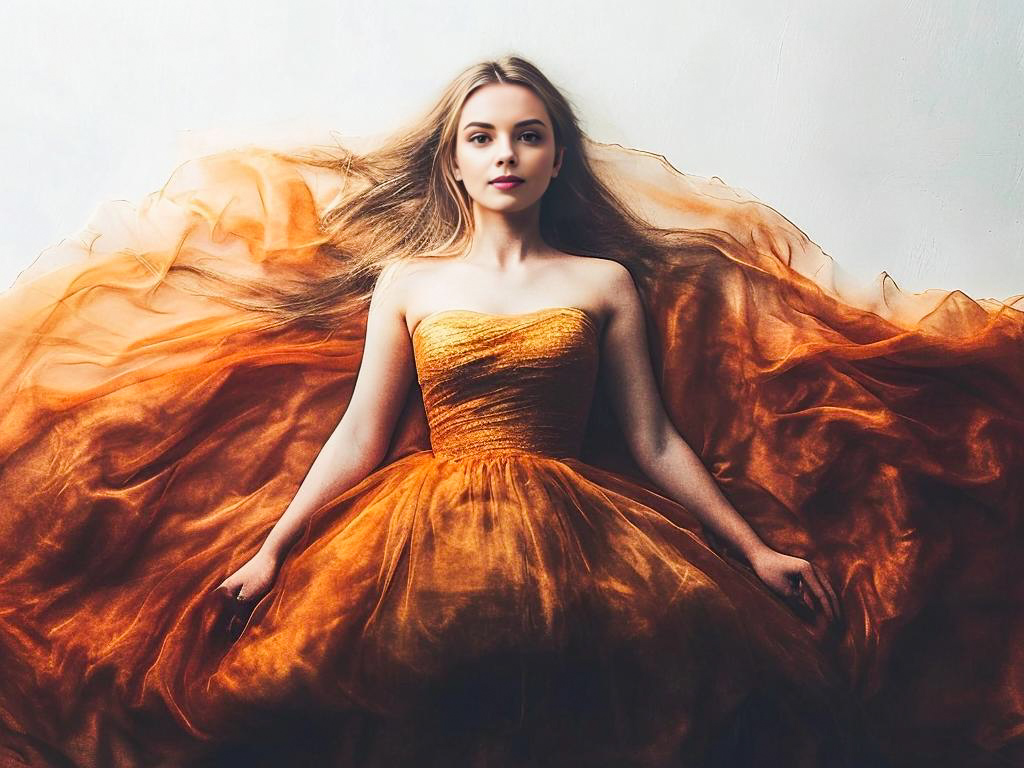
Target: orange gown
(506,588)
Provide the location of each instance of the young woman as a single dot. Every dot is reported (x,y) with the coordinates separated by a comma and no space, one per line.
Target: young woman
(521,560)
(504,132)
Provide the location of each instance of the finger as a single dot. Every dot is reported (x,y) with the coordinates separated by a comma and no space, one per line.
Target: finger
(810,580)
(828,588)
(805,596)
(798,591)
(831,593)
(234,602)
(796,587)
(235,627)
(224,591)
(820,595)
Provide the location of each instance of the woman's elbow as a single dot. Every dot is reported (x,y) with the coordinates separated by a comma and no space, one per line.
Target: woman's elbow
(651,443)
(360,440)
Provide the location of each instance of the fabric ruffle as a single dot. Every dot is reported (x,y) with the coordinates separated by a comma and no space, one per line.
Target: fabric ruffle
(150,436)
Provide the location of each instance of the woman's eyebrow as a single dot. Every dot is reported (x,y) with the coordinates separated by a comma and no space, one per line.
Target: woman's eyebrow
(521,123)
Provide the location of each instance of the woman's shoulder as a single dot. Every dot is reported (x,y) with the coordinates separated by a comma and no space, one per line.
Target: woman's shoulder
(411,276)
(410,268)
(598,272)
(601,266)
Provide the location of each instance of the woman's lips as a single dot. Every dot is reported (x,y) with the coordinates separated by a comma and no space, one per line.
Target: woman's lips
(506,184)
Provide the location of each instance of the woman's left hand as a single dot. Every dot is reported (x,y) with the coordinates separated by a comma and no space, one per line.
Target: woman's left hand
(796,578)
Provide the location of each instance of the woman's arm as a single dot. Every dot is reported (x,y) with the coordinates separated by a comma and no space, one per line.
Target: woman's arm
(356,446)
(341,463)
(679,471)
(665,457)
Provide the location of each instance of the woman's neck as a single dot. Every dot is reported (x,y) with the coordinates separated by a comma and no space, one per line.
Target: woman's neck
(506,241)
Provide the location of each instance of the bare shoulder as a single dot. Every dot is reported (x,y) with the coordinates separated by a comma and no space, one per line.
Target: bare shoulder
(612,273)
(598,269)
(409,281)
(404,271)
(402,277)
(621,288)
(606,280)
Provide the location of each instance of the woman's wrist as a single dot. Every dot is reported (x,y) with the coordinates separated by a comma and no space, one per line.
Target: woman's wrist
(755,550)
(272,551)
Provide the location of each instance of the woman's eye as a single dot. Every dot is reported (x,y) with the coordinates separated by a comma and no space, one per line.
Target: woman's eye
(532,135)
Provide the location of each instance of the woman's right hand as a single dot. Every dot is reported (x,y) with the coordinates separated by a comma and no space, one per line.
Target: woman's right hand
(246,586)
(796,578)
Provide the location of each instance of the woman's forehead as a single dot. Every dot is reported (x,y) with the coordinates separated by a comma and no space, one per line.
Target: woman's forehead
(502,103)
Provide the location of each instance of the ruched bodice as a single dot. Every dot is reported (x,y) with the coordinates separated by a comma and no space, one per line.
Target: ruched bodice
(520,382)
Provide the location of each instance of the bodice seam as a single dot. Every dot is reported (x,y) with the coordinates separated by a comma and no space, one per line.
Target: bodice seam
(592,324)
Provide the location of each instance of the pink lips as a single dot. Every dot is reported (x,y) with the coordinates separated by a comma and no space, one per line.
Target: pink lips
(506,184)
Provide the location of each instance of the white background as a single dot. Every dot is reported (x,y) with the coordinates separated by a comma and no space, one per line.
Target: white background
(890,132)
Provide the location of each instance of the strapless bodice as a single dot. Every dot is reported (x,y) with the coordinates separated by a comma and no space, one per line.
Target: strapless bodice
(520,382)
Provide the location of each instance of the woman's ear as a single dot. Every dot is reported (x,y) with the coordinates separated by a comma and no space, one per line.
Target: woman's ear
(558,162)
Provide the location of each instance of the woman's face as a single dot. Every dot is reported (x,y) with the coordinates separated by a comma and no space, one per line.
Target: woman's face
(505,130)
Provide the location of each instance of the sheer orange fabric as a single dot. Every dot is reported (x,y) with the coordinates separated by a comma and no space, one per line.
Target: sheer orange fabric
(150,436)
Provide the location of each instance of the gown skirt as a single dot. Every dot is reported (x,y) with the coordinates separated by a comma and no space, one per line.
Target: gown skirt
(506,588)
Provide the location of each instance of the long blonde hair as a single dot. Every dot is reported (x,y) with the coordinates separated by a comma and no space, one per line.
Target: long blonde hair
(402,200)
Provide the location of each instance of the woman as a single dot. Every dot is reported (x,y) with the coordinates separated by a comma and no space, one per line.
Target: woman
(510,265)
(489,573)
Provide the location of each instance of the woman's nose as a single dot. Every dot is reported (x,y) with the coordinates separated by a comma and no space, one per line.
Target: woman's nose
(507,154)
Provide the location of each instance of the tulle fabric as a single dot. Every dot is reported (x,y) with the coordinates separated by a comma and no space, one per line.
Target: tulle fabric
(151,434)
